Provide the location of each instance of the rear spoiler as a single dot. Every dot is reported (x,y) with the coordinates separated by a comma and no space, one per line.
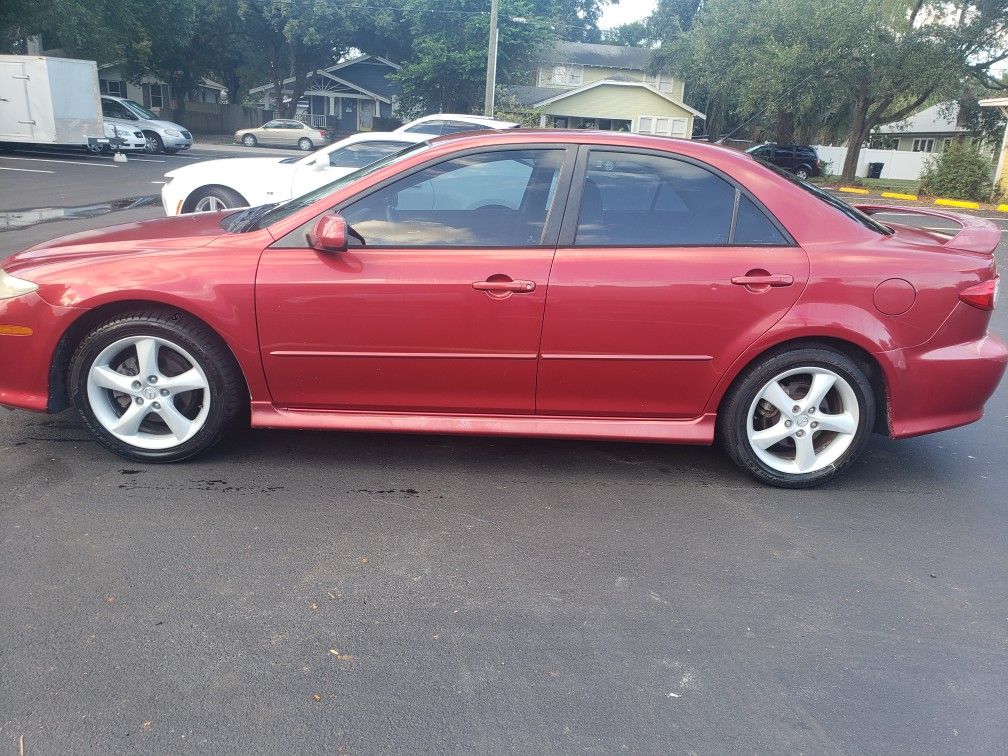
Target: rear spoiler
(975,234)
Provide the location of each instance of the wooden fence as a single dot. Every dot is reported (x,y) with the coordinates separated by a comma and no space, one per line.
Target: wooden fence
(212,117)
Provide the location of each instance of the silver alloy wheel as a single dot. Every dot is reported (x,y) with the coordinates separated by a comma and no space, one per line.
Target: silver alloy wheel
(248,140)
(801,173)
(803,420)
(150,144)
(210,204)
(162,402)
(305,144)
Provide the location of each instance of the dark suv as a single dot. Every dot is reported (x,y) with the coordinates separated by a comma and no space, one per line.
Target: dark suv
(800,159)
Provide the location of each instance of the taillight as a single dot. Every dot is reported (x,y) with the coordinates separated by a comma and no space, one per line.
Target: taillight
(324,133)
(982,296)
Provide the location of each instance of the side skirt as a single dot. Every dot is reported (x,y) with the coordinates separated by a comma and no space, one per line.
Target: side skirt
(698,430)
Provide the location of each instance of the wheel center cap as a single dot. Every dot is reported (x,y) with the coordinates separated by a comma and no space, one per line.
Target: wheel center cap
(150,393)
(802,420)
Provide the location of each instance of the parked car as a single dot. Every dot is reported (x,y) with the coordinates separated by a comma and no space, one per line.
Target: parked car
(582,285)
(453,123)
(239,182)
(160,135)
(284,133)
(123,137)
(800,159)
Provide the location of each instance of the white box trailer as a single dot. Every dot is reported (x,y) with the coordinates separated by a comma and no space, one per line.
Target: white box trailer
(50,101)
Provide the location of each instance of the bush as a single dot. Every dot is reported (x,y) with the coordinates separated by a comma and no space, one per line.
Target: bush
(960,172)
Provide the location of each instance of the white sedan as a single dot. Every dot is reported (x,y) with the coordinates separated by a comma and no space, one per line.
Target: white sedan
(242,182)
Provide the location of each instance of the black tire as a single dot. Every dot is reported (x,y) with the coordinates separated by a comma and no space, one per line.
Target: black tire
(154,144)
(802,172)
(734,417)
(228,393)
(228,197)
(305,144)
(249,140)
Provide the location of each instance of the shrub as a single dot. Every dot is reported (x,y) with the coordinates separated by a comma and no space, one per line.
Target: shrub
(960,172)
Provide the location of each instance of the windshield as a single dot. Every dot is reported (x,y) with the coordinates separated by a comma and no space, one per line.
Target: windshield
(141,111)
(835,202)
(298,203)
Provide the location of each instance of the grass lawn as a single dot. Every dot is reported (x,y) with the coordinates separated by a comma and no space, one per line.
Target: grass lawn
(904,186)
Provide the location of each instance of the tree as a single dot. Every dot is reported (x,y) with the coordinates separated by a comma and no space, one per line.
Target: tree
(446,69)
(633,34)
(78,27)
(844,66)
(295,37)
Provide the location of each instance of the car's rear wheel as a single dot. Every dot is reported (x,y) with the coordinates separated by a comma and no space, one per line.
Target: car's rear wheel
(305,144)
(802,173)
(215,198)
(155,386)
(249,140)
(152,143)
(797,418)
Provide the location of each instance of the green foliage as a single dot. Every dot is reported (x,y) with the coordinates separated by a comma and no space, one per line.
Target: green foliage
(633,34)
(961,171)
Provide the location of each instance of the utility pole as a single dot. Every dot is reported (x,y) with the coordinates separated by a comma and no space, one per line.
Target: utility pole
(491,77)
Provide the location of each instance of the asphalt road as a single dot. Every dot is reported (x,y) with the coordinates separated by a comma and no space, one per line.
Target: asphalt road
(307,592)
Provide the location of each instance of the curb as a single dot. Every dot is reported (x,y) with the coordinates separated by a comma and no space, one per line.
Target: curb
(944,201)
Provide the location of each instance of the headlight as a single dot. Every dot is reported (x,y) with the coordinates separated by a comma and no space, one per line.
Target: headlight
(172,132)
(11,287)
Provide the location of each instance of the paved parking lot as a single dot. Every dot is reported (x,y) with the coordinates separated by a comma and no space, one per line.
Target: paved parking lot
(340,592)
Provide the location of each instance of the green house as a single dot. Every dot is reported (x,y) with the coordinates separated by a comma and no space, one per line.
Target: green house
(592,86)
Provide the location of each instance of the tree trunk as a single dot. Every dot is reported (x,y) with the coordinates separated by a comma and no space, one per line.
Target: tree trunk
(858,131)
(784,128)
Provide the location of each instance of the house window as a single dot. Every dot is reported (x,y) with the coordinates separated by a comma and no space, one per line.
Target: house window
(563,76)
(155,95)
(661,82)
(662,126)
(113,87)
(923,145)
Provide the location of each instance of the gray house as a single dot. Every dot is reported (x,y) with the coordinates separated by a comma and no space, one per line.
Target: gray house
(354,91)
(930,130)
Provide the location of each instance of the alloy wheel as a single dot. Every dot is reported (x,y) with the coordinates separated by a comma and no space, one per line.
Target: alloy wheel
(148,392)
(210,204)
(803,420)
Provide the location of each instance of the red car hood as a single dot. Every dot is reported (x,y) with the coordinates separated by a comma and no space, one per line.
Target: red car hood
(176,233)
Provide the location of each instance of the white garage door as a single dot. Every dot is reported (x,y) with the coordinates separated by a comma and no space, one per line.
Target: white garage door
(662,125)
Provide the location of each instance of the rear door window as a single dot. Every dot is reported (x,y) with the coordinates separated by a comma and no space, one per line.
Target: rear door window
(646,200)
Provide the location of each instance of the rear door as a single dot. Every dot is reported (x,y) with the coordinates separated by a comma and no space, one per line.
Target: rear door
(16,120)
(665,272)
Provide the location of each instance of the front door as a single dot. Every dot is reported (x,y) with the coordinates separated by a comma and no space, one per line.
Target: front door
(665,275)
(441,311)
(365,115)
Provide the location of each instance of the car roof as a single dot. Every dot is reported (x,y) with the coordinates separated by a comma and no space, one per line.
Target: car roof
(493,123)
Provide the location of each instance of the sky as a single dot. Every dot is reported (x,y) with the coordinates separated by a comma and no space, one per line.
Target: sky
(625,12)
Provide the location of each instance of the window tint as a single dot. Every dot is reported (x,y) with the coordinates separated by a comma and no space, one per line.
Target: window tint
(642,200)
(293,125)
(362,153)
(430,127)
(753,227)
(114,109)
(272,125)
(484,200)
(455,127)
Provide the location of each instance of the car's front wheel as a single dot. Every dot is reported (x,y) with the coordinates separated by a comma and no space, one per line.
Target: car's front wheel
(215,198)
(156,386)
(249,140)
(153,143)
(797,418)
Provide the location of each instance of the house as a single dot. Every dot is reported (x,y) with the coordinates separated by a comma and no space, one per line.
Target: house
(930,130)
(1001,172)
(152,92)
(584,85)
(353,92)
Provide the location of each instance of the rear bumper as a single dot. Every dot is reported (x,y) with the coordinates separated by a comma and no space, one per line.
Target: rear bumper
(25,360)
(939,386)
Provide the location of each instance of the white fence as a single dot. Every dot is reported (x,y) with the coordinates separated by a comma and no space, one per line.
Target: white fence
(896,164)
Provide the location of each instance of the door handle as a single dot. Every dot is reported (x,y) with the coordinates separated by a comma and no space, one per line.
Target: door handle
(505,287)
(763,280)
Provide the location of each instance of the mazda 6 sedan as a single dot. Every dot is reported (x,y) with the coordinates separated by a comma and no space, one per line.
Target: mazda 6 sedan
(540,283)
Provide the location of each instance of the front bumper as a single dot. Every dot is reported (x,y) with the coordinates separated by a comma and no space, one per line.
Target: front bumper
(183,142)
(26,360)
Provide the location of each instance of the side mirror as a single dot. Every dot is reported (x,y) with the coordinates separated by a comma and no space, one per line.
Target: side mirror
(329,234)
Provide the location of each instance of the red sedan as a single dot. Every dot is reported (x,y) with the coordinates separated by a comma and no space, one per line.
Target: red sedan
(540,283)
